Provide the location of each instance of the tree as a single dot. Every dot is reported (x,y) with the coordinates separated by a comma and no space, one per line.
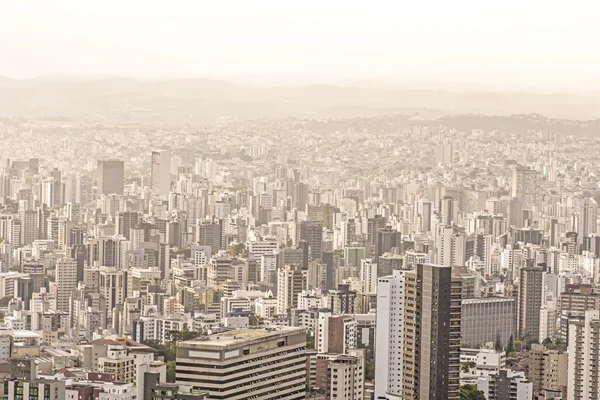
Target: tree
(171,367)
(498,343)
(369,370)
(466,366)
(510,347)
(470,392)
(518,345)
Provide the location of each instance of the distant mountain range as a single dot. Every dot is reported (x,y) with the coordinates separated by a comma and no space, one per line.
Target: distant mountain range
(91,94)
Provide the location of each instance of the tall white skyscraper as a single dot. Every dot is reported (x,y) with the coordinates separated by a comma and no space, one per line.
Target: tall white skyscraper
(451,246)
(583,372)
(160,172)
(417,339)
(389,334)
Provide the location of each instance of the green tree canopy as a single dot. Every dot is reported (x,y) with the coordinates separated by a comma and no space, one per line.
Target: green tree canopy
(470,392)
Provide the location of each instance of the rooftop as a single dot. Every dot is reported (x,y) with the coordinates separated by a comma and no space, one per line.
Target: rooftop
(238,336)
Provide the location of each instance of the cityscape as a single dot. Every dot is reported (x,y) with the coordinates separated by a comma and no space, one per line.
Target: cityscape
(207,238)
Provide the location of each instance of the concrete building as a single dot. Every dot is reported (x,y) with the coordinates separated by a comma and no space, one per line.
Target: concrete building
(583,372)
(506,385)
(525,186)
(160,172)
(484,319)
(66,280)
(418,334)
(530,296)
(110,177)
(548,369)
(242,364)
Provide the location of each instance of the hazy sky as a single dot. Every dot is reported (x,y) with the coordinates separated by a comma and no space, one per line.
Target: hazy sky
(528,42)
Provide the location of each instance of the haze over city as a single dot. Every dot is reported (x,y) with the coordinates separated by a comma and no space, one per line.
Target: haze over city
(533,45)
(278,200)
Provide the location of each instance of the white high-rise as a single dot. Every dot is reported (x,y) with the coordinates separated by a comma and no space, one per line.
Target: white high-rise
(160,172)
(451,246)
(583,372)
(389,334)
(66,280)
(368,274)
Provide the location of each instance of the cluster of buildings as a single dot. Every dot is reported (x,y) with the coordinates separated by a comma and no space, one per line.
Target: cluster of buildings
(258,266)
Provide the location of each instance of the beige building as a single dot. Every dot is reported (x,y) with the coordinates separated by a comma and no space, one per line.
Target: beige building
(118,363)
(548,369)
(256,364)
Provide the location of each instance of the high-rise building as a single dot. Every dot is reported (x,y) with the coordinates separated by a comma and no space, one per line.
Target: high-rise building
(160,172)
(290,282)
(485,319)
(341,376)
(125,221)
(530,297)
(548,369)
(583,372)
(373,226)
(244,364)
(66,280)
(418,334)
(312,233)
(525,186)
(451,246)
(386,240)
(448,210)
(110,176)
(588,213)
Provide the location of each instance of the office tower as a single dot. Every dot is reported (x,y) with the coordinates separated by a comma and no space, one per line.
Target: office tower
(110,177)
(290,282)
(418,334)
(483,249)
(525,186)
(583,372)
(485,319)
(530,297)
(312,234)
(300,196)
(57,188)
(66,280)
(448,210)
(103,251)
(160,172)
(588,213)
(388,262)
(373,226)
(29,228)
(210,234)
(276,358)
(548,369)
(353,255)
(451,246)
(348,231)
(386,240)
(425,212)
